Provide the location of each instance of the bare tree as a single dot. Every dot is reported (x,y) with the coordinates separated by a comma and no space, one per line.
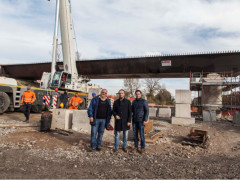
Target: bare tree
(131,85)
(152,85)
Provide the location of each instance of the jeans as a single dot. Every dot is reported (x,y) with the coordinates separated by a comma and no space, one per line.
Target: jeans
(97,133)
(125,137)
(26,110)
(138,126)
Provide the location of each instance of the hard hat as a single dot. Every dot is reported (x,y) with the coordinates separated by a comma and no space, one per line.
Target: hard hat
(93,93)
(61,105)
(56,89)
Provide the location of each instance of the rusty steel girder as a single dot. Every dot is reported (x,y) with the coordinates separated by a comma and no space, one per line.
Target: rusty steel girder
(167,66)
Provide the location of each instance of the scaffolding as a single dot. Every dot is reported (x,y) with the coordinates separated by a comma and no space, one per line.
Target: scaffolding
(227,83)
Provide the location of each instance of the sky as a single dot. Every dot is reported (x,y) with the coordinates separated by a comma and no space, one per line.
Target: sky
(121,28)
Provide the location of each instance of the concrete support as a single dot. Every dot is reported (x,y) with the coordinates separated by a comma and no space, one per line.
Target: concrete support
(164,112)
(209,115)
(236,117)
(80,121)
(183,108)
(152,112)
(62,119)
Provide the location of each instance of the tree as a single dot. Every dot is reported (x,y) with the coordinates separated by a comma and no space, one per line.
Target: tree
(164,97)
(131,85)
(151,85)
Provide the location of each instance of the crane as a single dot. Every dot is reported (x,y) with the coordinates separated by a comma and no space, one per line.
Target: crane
(68,78)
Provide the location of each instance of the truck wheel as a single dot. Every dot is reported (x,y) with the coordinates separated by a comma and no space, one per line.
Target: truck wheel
(4,102)
(82,105)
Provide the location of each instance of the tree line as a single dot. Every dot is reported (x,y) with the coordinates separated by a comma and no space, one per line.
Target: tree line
(151,89)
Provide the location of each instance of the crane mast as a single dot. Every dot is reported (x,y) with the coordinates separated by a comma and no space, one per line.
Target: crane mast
(68,78)
(67,37)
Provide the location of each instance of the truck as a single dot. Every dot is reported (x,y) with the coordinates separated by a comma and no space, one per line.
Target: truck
(68,79)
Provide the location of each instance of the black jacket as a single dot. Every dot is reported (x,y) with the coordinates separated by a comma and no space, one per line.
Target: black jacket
(140,110)
(64,98)
(123,110)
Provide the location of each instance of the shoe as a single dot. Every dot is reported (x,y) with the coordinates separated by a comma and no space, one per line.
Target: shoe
(125,150)
(135,150)
(26,120)
(98,149)
(93,149)
(115,150)
(142,151)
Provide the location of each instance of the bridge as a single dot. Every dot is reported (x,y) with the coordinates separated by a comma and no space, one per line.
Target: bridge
(166,66)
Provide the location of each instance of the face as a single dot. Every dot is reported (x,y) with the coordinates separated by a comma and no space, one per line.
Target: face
(104,93)
(121,94)
(76,95)
(138,95)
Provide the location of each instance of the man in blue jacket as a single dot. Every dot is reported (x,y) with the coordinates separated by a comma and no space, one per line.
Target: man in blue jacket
(99,113)
(140,117)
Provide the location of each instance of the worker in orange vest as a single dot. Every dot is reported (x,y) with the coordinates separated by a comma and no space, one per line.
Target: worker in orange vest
(74,102)
(28,98)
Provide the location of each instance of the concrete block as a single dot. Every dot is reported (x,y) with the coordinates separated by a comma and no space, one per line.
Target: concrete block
(152,112)
(62,118)
(80,121)
(209,115)
(164,112)
(183,96)
(183,110)
(236,117)
(182,121)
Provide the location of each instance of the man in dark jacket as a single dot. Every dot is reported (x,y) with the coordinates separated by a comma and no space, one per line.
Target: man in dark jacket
(122,113)
(140,117)
(64,99)
(99,113)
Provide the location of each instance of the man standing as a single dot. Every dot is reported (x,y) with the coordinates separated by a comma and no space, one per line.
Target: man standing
(94,95)
(64,99)
(99,113)
(122,113)
(74,102)
(28,98)
(140,117)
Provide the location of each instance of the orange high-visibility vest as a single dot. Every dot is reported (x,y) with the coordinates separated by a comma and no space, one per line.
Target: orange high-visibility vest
(75,101)
(28,97)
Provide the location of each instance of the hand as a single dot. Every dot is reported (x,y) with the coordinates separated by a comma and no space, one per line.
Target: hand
(91,119)
(144,123)
(118,117)
(128,124)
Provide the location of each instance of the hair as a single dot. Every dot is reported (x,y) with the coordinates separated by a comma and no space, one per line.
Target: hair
(138,91)
(121,90)
(103,90)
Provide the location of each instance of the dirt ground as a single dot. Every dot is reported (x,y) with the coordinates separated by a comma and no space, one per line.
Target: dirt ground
(28,153)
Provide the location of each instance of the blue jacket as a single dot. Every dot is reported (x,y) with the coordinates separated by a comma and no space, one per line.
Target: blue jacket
(140,110)
(92,111)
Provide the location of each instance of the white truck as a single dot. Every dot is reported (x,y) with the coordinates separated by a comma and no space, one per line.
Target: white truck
(68,79)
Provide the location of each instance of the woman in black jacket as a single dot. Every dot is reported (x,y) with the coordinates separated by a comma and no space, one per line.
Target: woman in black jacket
(122,113)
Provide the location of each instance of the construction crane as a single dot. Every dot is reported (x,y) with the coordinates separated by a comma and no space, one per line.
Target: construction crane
(68,78)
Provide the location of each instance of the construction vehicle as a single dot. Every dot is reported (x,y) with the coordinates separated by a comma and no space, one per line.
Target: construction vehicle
(68,79)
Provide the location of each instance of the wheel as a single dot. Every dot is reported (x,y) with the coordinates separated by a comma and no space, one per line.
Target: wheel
(82,105)
(4,102)
(36,109)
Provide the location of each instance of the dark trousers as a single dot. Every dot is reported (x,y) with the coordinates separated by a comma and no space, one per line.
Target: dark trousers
(97,133)
(138,127)
(26,110)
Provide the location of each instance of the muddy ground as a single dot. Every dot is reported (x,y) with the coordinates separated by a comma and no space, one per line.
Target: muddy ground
(28,153)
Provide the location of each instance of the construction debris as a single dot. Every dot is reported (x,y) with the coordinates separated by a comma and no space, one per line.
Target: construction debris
(153,136)
(196,138)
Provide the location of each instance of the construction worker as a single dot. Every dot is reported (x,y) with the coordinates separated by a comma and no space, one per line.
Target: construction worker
(28,98)
(74,102)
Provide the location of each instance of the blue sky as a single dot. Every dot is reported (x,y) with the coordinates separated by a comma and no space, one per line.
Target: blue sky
(119,28)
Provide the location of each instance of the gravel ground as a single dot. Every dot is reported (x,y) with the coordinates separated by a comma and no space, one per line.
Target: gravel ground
(27,153)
